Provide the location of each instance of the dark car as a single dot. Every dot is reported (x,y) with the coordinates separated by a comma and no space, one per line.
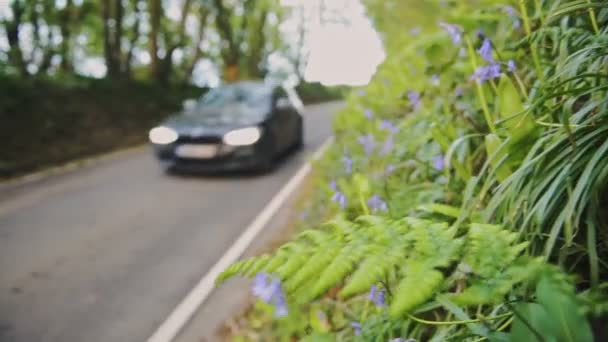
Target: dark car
(241,126)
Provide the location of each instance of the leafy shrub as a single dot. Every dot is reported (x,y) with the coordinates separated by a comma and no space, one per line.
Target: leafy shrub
(465,185)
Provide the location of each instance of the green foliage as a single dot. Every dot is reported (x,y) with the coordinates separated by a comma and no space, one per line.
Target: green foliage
(494,190)
(411,256)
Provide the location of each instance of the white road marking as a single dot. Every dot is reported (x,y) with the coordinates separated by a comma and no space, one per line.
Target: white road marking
(180,316)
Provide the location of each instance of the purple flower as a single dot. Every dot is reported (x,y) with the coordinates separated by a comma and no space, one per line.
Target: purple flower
(339,198)
(454,31)
(376,296)
(415,31)
(361,92)
(368,142)
(399,339)
(510,11)
(348,164)
(435,80)
(485,51)
(389,126)
(260,283)
(270,291)
(377,204)
(333,185)
(357,327)
(511,65)
(487,72)
(388,145)
(513,15)
(462,52)
(414,98)
(389,169)
(438,163)
(369,114)
(280,306)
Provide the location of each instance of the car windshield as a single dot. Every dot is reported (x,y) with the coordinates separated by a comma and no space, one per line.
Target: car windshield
(251,95)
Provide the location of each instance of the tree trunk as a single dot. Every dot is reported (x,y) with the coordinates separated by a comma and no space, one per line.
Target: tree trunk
(230,52)
(256,48)
(166,64)
(65,21)
(204,15)
(154,8)
(12,33)
(128,64)
(117,39)
(108,49)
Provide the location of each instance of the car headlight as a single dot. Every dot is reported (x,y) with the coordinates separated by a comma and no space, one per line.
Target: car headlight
(243,136)
(162,135)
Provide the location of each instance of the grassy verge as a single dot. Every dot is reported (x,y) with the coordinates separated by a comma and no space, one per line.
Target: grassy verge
(464,193)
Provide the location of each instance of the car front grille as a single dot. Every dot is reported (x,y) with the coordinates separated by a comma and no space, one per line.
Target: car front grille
(199,139)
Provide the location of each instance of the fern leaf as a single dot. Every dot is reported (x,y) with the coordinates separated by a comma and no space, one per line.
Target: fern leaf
(338,269)
(418,286)
(313,266)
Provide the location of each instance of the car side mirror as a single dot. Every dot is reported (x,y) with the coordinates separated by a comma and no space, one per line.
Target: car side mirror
(283,103)
(189,105)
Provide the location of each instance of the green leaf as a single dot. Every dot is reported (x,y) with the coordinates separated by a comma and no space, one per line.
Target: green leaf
(497,155)
(531,323)
(558,300)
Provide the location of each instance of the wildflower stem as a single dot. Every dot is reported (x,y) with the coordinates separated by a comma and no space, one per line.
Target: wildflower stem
(593,20)
(479,87)
(468,321)
(533,47)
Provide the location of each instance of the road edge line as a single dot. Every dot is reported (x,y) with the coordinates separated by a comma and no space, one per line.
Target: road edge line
(186,309)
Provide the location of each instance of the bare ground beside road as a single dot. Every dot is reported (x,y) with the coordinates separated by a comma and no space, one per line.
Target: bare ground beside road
(106,252)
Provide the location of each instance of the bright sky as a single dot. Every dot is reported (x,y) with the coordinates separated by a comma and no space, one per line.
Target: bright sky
(342,46)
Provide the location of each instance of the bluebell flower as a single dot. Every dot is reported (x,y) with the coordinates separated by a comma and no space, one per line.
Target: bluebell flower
(435,80)
(377,204)
(368,142)
(485,51)
(511,66)
(438,163)
(357,327)
(389,169)
(415,31)
(388,145)
(269,290)
(376,296)
(454,31)
(388,126)
(362,92)
(280,306)
(333,185)
(462,52)
(487,72)
(414,98)
(513,15)
(339,198)
(348,164)
(400,339)
(368,114)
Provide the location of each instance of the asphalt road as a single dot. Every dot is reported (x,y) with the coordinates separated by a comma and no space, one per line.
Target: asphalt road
(106,252)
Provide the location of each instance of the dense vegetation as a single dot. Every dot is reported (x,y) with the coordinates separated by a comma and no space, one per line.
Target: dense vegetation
(464,197)
(146,54)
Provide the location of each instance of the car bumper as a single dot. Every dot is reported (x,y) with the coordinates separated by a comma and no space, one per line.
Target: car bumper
(227,159)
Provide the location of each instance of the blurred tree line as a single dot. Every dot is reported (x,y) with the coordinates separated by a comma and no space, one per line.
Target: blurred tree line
(159,40)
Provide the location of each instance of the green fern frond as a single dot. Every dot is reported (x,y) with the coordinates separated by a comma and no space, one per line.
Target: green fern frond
(419,285)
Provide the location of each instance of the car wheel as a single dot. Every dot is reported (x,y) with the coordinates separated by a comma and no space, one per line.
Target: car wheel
(299,144)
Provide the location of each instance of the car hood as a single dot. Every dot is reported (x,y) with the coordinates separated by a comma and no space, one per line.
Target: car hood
(217,120)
